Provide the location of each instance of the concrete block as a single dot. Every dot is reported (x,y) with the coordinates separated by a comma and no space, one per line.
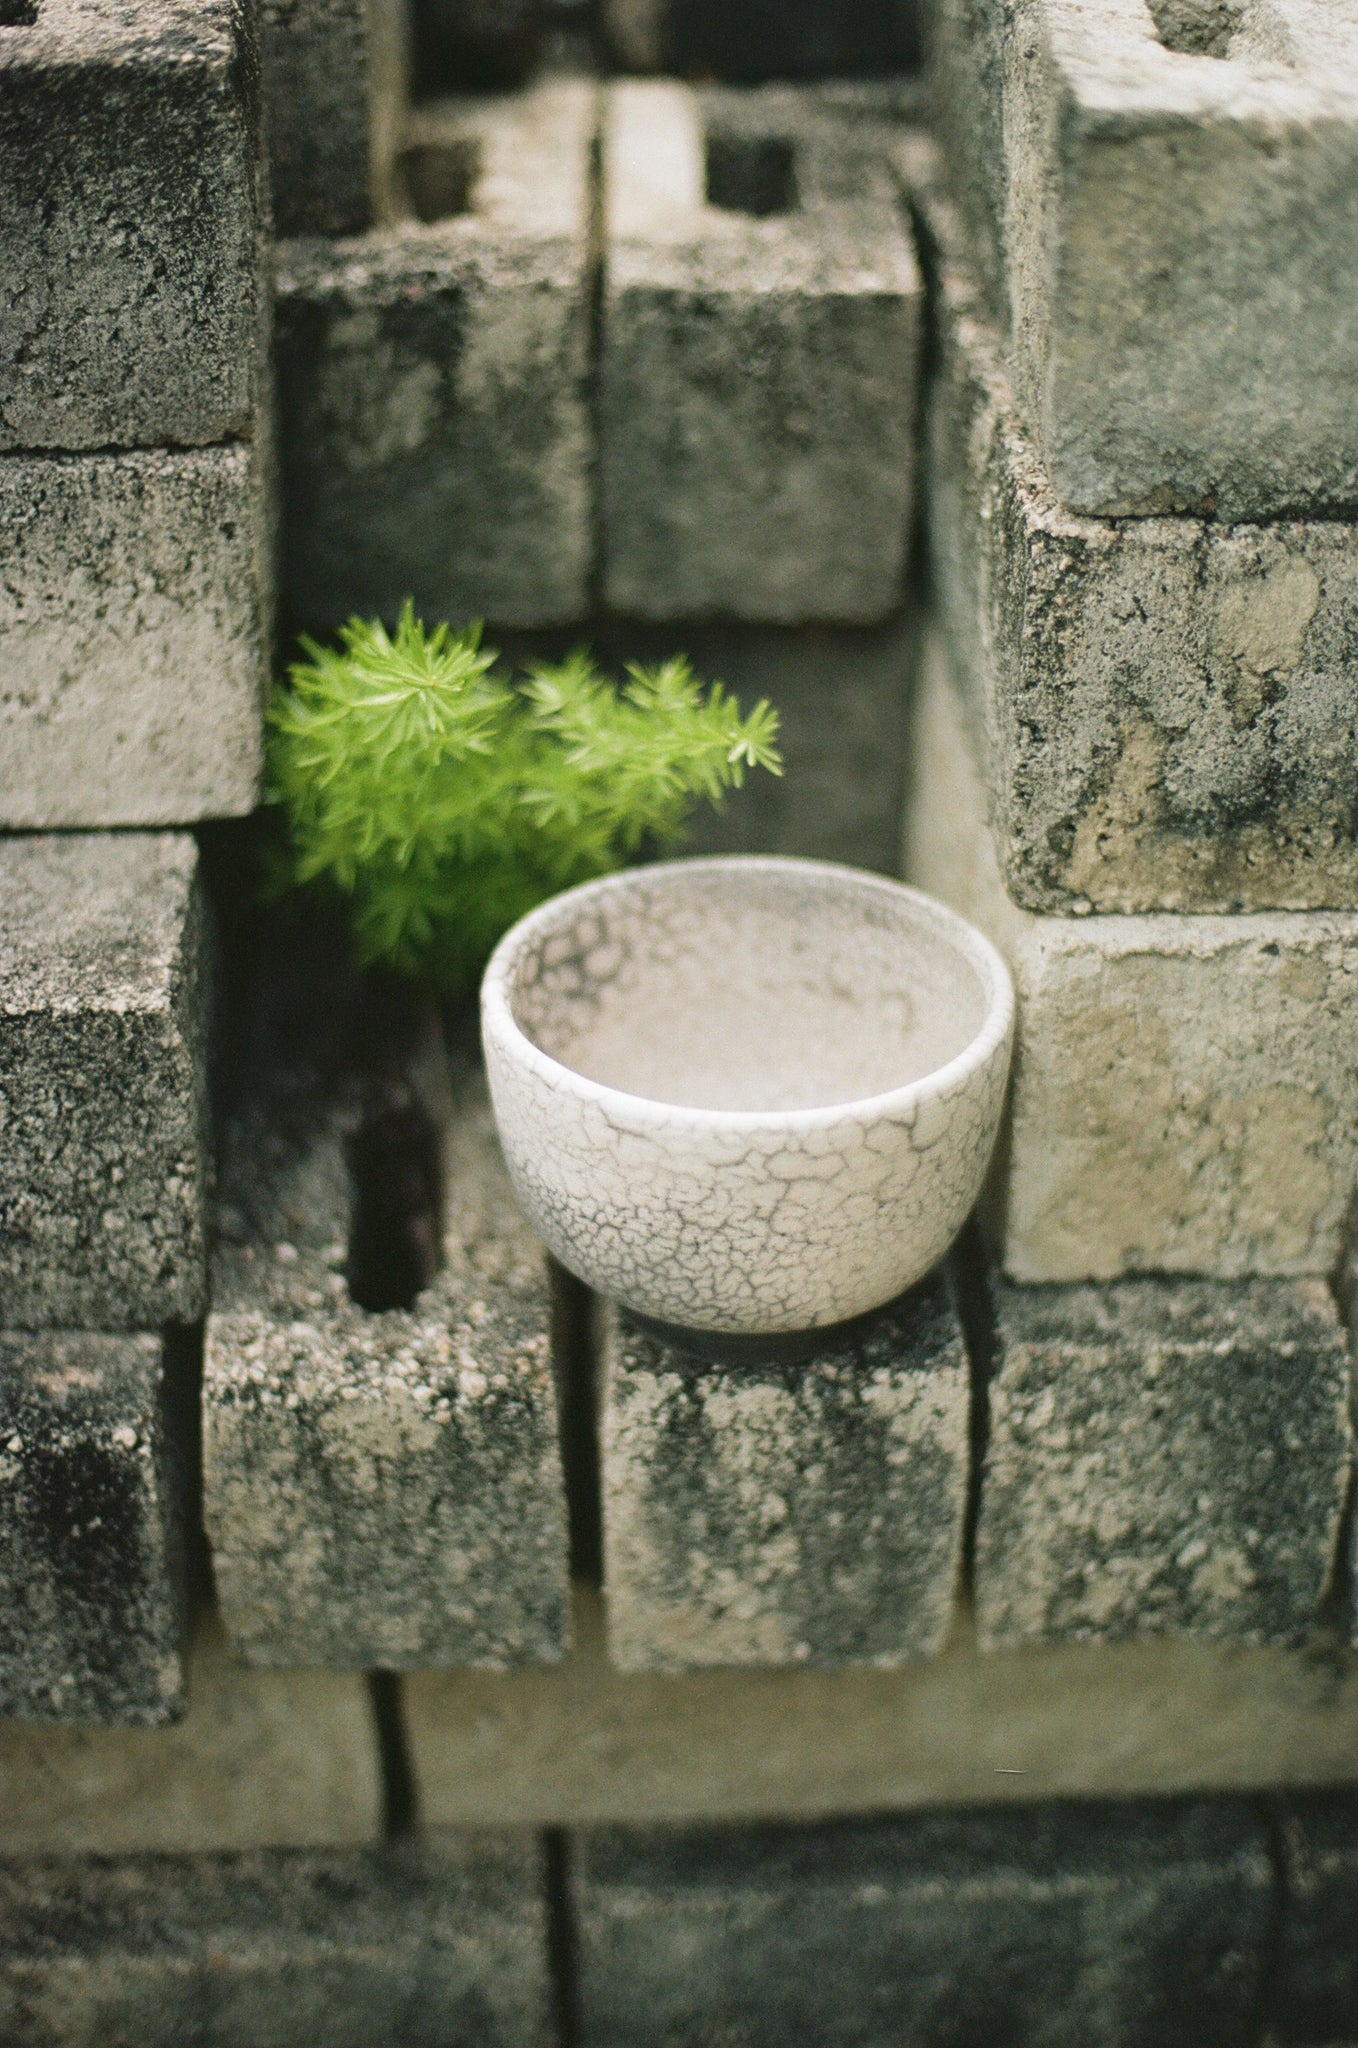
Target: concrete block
(260,1759)
(134,636)
(786,1514)
(1165,702)
(753,39)
(435,431)
(93,1458)
(435,1945)
(103,1084)
(1118,1926)
(1184,1095)
(381,1487)
(760,340)
(131,155)
(1166,201)
(1314,2002)
(334,102)
(1164,1457)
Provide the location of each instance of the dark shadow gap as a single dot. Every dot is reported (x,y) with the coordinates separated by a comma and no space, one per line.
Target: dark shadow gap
(399,1802)
(573,1354)
(972,1296)
(396,1166)
(562,1945)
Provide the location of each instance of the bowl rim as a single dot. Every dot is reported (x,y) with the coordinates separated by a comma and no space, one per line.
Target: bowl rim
(498,1022)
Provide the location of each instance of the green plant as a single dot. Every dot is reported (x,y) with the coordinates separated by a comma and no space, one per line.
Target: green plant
(443,800)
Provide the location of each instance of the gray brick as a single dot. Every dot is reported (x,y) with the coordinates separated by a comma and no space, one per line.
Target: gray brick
(334,102)
(1184,1095)
(131,157)
(93,1453)
(1119,1926)
(381,1488)
(1314,2002)
(1169,235)
(1165,702)
(435,1945)
(760,1514)
(432,380)
(759,367)
(103,1087)
(1164,1457)
(134,636)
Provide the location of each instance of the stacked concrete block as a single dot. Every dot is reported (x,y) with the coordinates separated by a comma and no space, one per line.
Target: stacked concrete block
(335,78)
(759,345)
(433,375)
(133,402)
(1087,1926)
(1315,1995)
(766,1514)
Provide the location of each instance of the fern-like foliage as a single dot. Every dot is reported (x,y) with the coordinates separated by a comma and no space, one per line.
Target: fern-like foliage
(443,800)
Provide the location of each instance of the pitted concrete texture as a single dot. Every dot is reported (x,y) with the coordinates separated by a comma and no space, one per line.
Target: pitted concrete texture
(134,636)
(1315,1993)
(760,339)
(103,1086)
(1164,1457)
(1166,702)
(1103,1926)
(93,1452)
(1185,1089)
(261,1759)
(786,1514)
(435,1944)
(1163,202)
(436,440)
(131,155)
(334,100)
(380,1488)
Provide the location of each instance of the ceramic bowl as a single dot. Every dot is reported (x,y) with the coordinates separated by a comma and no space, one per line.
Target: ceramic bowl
(747,1094)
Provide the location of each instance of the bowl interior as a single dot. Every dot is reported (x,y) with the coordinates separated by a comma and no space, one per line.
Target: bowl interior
(747,986)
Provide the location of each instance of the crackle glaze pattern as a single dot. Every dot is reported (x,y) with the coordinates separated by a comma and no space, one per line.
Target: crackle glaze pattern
(747,1094)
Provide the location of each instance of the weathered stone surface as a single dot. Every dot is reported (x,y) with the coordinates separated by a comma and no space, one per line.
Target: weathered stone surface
(134,636)
(760,329)
(131,159)
(381,1487)
(1118,1926)
(1164,1457)
(1185,1089)
(1314,2003)
(786,1514)
(334,98)
(1166,703)
(261,1759)
(103,1086)
(1166,212)
(440,1944)
(746,40)
(93,1456)
(432,379)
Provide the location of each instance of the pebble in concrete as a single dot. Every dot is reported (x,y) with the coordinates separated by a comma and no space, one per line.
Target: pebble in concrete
(1164,1457)
(334,100)
(1185,1089)
(435,1944)
(103,1085)
(131,156)
(1165,702)
(1315,1994)
(760,328)
(432,379)
(1117,1926)
(92,1458)
(760,1514)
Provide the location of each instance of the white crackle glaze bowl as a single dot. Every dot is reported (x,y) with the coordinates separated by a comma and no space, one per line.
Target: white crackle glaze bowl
(747,1094)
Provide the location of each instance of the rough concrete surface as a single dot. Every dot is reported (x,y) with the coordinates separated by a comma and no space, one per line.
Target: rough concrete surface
(380,1488)
(1315,1995)
(1164,1457)
(1118,1926)
(334,102)
(93,1458)
(131,157)
(1185,1089)
(1168,221)
(103,1084)
(761,318)
(1166,702)
(436,1944)
(134,636)
(435,435)
(786,1514)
